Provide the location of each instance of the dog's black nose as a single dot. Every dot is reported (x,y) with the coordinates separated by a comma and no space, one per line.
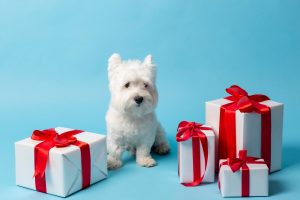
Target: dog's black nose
(138,99)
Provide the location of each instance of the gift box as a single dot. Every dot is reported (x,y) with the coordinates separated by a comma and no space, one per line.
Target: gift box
(243,176)
(251,122)
(60,161)
(196,153)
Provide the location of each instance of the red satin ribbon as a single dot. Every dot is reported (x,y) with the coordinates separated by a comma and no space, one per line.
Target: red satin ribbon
(187,130)
(241,162)
(52,139)
(227,128)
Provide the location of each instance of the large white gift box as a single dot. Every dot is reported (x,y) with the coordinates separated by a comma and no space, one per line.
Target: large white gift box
(63,173)
(193,168)
(250,128)
(254,181)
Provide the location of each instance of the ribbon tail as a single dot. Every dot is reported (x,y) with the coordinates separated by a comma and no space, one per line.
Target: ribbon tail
(196,161)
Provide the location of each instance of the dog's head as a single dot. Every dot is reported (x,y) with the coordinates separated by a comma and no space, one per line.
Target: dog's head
(132,85)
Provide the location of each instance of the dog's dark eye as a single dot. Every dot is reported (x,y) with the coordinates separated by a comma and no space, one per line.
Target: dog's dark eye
(145,85)
(127,85)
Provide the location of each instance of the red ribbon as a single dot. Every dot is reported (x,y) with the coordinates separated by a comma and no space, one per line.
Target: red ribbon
(52,139)
(241,162)
(187,130)
(227,128)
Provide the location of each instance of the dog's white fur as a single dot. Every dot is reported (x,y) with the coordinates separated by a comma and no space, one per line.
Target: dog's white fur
(132,126)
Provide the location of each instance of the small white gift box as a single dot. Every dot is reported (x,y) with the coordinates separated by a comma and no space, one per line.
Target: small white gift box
(196,153)
(243,176)
(60,161)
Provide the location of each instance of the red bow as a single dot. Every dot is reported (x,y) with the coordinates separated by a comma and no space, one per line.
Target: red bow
(50,138)
(236,164)
(187,130)
(227,128)
(241,162)
(245,103)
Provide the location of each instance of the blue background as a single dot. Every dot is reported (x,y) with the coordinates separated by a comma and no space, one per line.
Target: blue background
(53,72)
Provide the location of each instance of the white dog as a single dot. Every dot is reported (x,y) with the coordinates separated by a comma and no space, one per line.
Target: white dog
(131,121)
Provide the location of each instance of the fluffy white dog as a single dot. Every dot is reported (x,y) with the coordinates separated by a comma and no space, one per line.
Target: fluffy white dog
(131,121)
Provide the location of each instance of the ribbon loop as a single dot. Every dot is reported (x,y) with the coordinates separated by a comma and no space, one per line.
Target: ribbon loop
(236,91)
(43,135)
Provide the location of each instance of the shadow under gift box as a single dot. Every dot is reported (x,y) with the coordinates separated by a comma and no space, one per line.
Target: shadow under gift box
(248,129)
(63,170)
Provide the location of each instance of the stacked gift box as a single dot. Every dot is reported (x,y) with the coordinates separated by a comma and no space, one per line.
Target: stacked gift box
(247,132)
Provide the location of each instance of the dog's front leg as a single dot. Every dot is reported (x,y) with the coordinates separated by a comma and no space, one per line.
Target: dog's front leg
(143,157)
(161,144)
(114,155)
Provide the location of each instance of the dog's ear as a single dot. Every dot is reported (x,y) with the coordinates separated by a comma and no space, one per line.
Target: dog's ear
(148,63)
(148,60)
(114,61)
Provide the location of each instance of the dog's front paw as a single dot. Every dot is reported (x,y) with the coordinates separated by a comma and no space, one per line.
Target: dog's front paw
(162,149)
(113,163)
(146,161)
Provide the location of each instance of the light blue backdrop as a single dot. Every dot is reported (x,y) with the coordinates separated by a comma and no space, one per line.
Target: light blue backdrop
(53,59)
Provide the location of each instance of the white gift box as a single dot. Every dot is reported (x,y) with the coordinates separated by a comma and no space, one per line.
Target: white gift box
(248,129)
(185,160)
(63,172)
(231,182)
